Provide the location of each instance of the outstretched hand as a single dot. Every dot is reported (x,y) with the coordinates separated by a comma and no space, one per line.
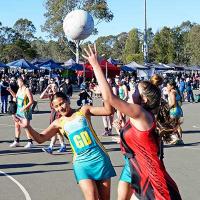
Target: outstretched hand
(117,124)
(91,55)
(24,123)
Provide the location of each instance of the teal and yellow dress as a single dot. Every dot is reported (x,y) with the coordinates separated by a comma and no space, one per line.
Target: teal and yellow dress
(176,111)
(22,100)
(91,160)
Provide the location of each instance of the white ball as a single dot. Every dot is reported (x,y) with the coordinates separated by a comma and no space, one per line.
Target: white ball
(78,25)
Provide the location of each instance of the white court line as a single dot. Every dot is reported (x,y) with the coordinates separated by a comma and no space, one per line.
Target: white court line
(26,194)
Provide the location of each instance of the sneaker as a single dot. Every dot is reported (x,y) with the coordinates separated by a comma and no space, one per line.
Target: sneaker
(29,145)
(15,144)
(179,142)
(109,133)
(105,133)
(48,150)
(62,149)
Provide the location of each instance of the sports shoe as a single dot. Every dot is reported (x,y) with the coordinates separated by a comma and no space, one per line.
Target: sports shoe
(15,144)
(48,150)
(179,142)
(62,149)
(105,133)
(109,133)
(29,145)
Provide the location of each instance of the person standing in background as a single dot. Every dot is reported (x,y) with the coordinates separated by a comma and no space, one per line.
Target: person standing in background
(24,100)
(189,90)
(67,88)
(4,95)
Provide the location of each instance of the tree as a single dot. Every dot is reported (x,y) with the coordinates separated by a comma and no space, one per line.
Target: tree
(11,52)
(8,35)
(163,46)
(58,9)
(180,37)
(51,49)
(105,45)
(25,28)
(118,46)
(194,45)
(132,45)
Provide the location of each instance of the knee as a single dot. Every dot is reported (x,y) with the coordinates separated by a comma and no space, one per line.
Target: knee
(17,126)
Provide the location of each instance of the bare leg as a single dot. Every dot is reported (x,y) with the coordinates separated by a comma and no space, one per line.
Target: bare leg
(104,189)
(53,141)
(89,189)
(124,191)
(61,139)
(17,130)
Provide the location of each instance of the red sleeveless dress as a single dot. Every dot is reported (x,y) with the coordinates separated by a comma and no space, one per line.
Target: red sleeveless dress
(150,180)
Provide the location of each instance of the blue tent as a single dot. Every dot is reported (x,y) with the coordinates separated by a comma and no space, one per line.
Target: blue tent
(69,62)
(77,67)
(2,65)
(133,66)
(194,68)
(128,69)
(50,65)
(72,65)
(113,61)
(22,64)
(161,67)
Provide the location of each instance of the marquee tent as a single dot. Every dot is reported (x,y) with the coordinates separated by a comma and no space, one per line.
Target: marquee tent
(22,64)
(50,65)
(2,65)
(133,66)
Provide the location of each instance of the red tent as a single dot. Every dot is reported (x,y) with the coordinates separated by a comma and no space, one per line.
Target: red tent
(112,70)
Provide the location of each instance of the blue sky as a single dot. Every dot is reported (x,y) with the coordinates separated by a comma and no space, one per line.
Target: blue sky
(127,14)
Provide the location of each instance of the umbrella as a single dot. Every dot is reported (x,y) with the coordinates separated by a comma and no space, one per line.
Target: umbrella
(22,64)
(50,65)
(2,65)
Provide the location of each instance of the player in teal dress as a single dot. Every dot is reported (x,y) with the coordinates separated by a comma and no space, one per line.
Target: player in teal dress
(92,166)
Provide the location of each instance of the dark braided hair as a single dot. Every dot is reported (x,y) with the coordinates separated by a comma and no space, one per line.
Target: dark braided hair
(164,123)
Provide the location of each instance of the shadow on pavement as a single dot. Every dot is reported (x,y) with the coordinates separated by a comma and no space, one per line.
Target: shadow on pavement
(113,149)
(41,112)
(192,131)
(108,143)
(15,151)
(183,145)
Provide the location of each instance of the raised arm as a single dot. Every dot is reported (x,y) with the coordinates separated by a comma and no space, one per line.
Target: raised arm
(12,93)
(45,94)
(45,135)
(132,110)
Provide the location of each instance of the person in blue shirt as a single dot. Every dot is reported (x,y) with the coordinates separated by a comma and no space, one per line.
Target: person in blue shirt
(189,90)
(182,88)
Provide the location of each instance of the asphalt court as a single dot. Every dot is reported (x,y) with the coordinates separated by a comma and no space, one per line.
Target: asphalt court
(35,175)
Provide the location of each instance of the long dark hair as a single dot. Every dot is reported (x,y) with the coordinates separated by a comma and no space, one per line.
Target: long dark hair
(164,123)
(152,93)
(60,95)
